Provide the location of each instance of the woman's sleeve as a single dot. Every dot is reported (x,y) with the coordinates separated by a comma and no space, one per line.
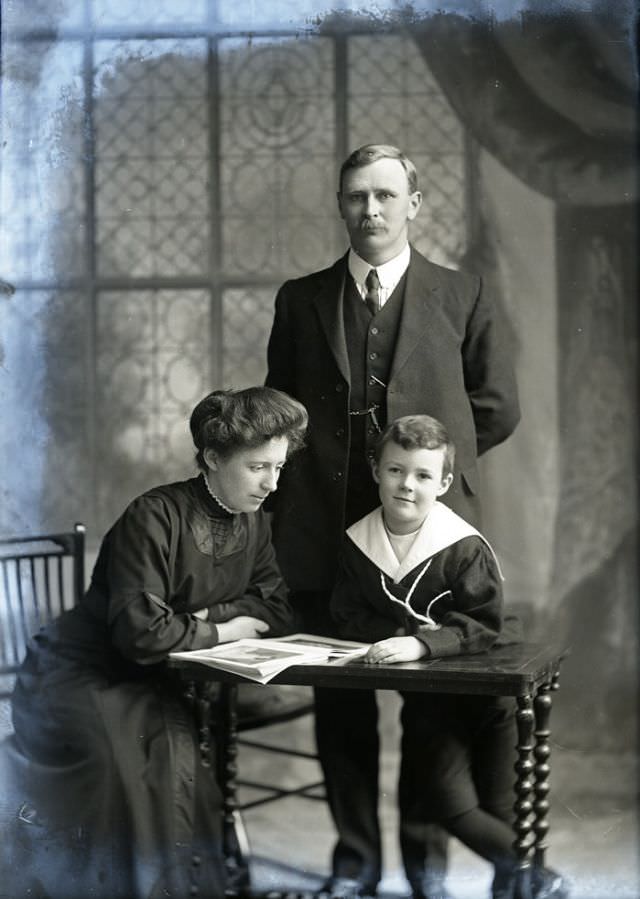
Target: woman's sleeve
(143,626)
(473,618)
(355,616)
(266,595)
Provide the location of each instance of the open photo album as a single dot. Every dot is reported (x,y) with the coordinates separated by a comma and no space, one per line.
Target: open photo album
(261,660)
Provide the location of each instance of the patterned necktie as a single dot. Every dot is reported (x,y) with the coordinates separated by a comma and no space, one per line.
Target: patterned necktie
(372,298)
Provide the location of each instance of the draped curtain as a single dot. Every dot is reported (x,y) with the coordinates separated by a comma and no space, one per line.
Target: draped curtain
(554,100)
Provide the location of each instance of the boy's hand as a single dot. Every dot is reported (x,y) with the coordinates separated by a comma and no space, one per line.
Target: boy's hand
(241,627)
(396,649)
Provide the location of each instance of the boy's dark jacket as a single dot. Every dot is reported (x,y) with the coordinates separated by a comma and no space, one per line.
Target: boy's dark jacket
(456,605)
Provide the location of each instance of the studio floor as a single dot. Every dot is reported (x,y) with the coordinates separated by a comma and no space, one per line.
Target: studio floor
(593,838)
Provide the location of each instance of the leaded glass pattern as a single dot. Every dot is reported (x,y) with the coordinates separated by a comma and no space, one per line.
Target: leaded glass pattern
(247,315)
(393,98)
(229,195)
(153,365)
(69,464)
(43,406)
(279,209)
(277,156)
(440,229)
(42,202)
(152,150)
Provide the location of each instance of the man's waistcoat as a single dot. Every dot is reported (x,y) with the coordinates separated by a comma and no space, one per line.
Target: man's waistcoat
(370,345)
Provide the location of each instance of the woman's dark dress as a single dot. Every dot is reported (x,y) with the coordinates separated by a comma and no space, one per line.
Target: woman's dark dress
(119,803)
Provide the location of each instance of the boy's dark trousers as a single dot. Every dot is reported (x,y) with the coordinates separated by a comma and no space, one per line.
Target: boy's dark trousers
(346,724)
(457,756)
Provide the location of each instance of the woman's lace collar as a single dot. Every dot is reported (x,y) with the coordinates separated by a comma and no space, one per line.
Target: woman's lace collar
(217,499)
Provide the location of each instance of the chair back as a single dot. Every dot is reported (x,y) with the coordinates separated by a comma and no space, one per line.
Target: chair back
(40,577)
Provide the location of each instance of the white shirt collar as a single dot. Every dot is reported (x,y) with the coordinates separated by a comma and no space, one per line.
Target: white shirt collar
(389,273)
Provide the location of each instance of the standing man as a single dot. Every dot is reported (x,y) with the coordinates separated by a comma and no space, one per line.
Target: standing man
(380,334)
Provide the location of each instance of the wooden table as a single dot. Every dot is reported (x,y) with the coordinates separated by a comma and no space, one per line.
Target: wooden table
(529,672)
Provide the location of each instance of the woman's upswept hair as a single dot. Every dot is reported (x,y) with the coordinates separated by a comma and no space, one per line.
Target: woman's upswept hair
(230,420)
(418,432)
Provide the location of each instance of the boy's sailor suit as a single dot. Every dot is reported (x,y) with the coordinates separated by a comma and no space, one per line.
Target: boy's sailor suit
(447,590)
(457,751)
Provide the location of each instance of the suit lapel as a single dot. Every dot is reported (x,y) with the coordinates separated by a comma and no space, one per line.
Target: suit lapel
(422,289)
(420,301)
(329,304)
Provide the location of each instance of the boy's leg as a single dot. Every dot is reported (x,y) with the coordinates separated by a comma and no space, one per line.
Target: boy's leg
(437,785)
(491,839)
(423,842)
(486,835)
(494,756)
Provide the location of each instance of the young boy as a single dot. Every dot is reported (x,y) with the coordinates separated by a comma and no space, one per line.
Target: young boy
(417,581)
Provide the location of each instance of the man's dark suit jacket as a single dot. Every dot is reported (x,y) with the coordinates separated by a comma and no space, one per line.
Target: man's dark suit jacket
(451,361)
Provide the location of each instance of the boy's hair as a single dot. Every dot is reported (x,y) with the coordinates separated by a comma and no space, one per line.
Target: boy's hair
(230,420)
(418,432)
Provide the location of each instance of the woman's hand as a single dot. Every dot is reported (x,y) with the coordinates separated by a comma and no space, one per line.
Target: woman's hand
(395,649)
(244,626)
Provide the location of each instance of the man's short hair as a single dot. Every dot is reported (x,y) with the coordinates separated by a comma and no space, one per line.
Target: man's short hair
(419,432)
(372,153)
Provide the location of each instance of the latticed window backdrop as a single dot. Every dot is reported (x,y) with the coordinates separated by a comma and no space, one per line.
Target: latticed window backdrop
(156,192)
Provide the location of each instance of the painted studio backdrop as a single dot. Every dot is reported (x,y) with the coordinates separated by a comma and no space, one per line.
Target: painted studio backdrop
(166,165)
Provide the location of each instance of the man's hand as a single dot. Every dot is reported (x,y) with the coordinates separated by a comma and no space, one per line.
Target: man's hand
(244,626)
(395,649)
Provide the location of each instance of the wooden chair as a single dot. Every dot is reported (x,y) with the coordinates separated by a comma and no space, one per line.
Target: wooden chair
(242,711)
(260,708)
(40,577)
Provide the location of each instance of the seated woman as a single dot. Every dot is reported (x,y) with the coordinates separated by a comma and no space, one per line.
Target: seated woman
(119,802)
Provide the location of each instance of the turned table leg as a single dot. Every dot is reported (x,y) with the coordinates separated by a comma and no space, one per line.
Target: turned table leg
(542,769)
(523,806)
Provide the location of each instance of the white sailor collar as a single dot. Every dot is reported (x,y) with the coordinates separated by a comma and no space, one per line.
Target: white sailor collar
(440,529)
